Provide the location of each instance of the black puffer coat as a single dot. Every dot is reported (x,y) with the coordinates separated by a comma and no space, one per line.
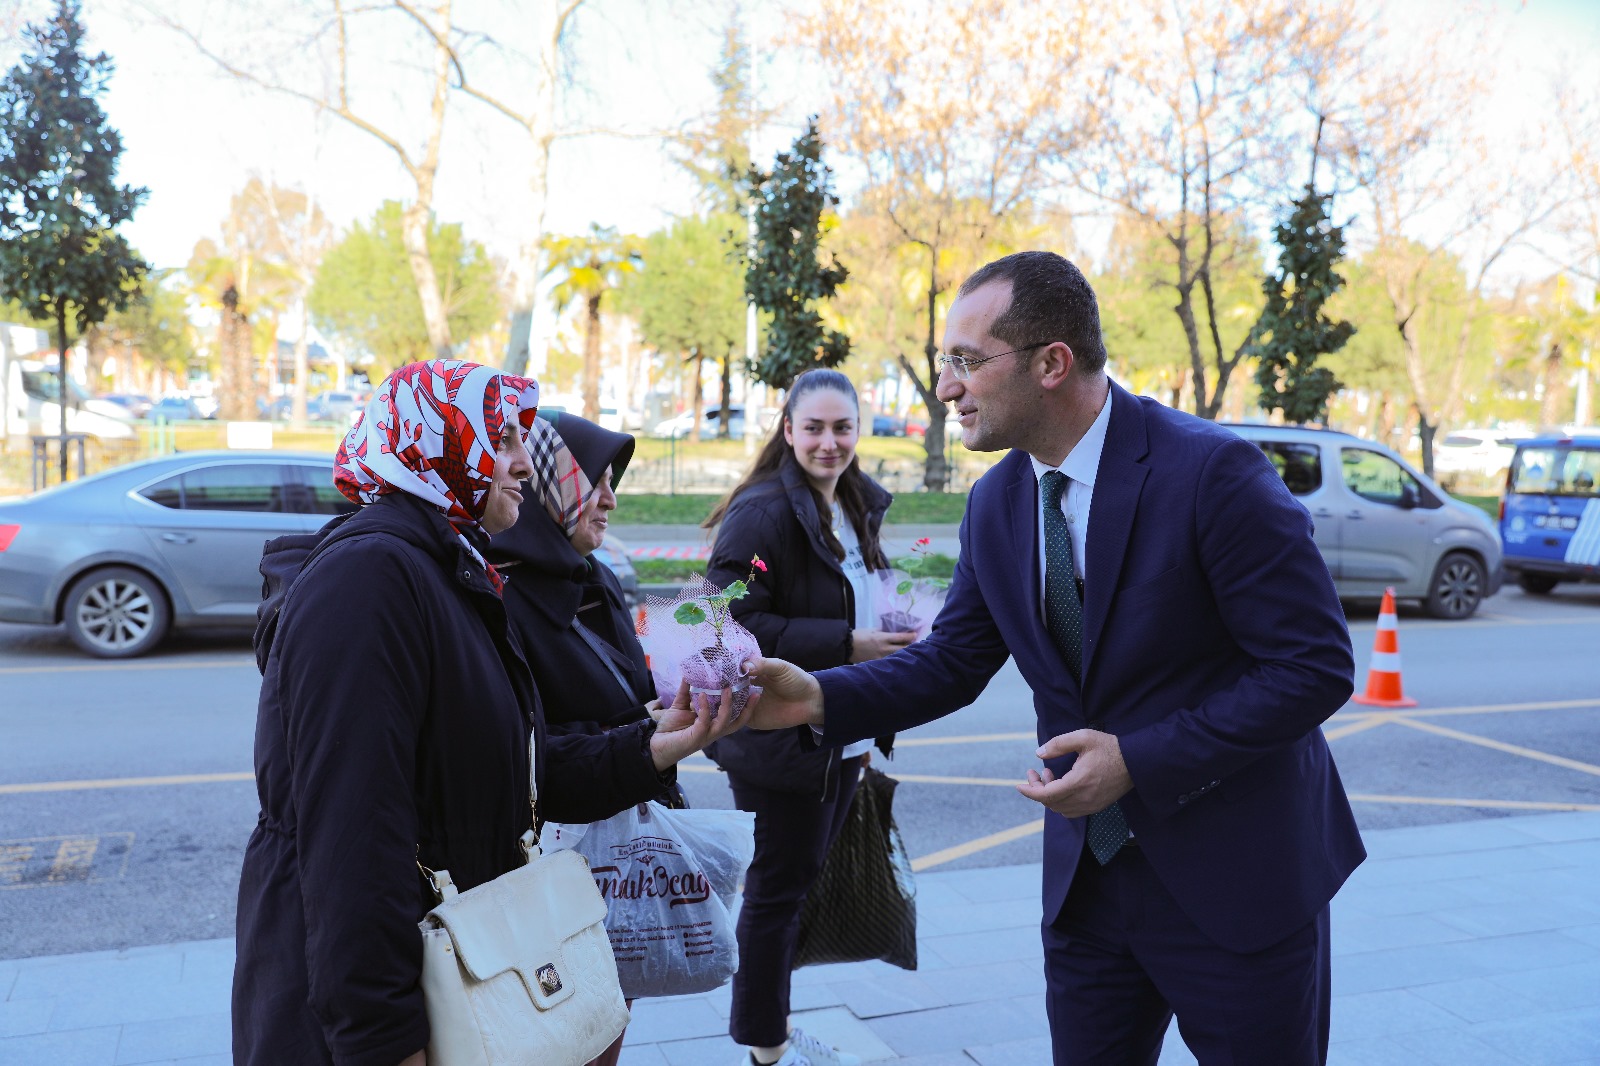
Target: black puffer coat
(801,609)
(550,587)
(393,728)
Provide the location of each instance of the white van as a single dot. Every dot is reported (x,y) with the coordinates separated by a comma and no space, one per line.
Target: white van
(30,406)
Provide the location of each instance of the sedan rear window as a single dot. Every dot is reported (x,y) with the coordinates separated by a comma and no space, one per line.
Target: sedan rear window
(257,487)
(1300,465)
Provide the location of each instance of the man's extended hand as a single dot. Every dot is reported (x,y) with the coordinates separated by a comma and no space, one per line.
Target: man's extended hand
(789,695)
(1098,777)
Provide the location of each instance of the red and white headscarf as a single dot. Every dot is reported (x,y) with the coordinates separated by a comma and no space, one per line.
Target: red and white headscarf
(431,430)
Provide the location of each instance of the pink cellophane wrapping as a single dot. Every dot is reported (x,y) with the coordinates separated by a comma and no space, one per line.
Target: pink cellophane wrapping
(677,652)
(910,611)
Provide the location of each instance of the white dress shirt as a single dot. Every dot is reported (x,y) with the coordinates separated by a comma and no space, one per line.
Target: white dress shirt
(1080,466)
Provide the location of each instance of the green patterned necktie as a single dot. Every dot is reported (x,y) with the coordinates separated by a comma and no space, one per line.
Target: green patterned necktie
(1108,829)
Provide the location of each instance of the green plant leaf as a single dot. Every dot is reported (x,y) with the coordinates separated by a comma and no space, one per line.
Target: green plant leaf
(734,591)
(689,614)
(902,588)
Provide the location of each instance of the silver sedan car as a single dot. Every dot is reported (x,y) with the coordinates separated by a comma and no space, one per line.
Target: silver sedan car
(126,556)
(1381,523)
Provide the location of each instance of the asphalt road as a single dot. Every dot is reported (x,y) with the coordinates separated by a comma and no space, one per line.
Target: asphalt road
(125,798)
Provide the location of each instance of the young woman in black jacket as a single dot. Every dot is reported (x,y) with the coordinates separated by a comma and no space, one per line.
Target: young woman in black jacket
(813,517)
(566,606)
(394,726)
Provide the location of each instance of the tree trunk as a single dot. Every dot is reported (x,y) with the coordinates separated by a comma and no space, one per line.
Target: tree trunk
(724,431)
(6,356)
(237,384)
(1553,383)
(414,231)
(695,394)
(1426,431)
(523,349)
(1191,333)
(61,380)
(591,361)
(302,367)
(935,469)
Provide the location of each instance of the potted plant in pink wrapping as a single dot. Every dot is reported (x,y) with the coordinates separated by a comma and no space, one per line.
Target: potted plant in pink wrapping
(720,664)
(905,585)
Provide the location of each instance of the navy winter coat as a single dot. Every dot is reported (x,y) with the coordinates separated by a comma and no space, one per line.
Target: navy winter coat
(392,729)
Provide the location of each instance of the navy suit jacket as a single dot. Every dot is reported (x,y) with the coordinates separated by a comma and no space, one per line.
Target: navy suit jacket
(1214,647)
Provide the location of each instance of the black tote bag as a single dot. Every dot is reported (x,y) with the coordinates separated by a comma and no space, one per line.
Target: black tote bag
(864,902)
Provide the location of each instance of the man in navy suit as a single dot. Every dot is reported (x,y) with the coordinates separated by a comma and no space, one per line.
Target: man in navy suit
(1160,591)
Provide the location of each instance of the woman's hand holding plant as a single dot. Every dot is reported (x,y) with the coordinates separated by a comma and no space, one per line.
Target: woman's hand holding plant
(684,728)
(869,644)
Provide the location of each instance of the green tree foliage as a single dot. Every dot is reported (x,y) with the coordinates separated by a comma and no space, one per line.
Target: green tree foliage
(1452,338)
(1549,329)
(1292,332)
(365,293)
(787,273)
(152,334)
(716,150)
(689,298)
(590,266)
(1136,285)
(60,255)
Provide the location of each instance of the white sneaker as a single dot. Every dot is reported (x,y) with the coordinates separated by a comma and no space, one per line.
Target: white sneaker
(813,1052)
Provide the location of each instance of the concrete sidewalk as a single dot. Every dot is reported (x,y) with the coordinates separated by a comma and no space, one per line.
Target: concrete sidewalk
(1467,944)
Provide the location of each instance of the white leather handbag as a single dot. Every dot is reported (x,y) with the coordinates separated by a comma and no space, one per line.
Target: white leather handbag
(519,971)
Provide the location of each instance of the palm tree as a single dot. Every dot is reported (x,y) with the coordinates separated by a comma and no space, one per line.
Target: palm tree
(590,266)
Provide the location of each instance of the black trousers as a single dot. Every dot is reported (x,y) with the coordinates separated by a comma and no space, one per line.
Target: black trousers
(1122,957)
(793,834)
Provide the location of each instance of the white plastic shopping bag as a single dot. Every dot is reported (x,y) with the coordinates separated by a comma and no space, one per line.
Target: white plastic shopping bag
(668,878)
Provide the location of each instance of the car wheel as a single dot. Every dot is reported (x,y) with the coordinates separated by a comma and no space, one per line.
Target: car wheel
(117,613)
(1538,584)
(1457,587)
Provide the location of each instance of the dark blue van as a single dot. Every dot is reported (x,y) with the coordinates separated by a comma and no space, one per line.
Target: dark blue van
(1550,515)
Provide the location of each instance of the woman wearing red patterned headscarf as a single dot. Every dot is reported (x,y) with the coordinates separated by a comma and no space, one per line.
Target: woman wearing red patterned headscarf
(394,725)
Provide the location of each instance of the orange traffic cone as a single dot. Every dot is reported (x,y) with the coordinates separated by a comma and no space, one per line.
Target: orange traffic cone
(1383,676)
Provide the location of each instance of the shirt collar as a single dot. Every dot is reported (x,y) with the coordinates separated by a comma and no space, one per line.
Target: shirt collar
(1083,462)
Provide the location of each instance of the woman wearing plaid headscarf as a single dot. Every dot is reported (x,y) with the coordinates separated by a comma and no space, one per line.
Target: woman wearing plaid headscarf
(394,723)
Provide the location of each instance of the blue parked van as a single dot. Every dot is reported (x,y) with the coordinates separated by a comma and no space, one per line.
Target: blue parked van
(1550,515)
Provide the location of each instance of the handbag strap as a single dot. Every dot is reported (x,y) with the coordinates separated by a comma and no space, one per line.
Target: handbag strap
(597,646)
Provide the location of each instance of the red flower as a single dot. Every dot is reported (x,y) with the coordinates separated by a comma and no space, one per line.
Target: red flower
(924,542)
(755,561)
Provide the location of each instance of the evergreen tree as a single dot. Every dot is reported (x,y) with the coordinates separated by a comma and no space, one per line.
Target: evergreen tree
(787,273)
(61,258)
(1292,332)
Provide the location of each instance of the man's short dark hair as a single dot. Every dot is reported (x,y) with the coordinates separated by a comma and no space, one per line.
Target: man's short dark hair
(1050,301)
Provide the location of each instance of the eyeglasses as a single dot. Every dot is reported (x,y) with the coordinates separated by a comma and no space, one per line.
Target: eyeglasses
(961,365)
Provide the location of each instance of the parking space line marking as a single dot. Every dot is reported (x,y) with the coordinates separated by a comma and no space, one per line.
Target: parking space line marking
(1507,805)
(972,847)
(1482,708)
(91,668)
(1368,722)
(121,782)
(1500,745)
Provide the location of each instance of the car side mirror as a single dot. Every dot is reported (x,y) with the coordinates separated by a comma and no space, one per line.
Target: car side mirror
(1409,500)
